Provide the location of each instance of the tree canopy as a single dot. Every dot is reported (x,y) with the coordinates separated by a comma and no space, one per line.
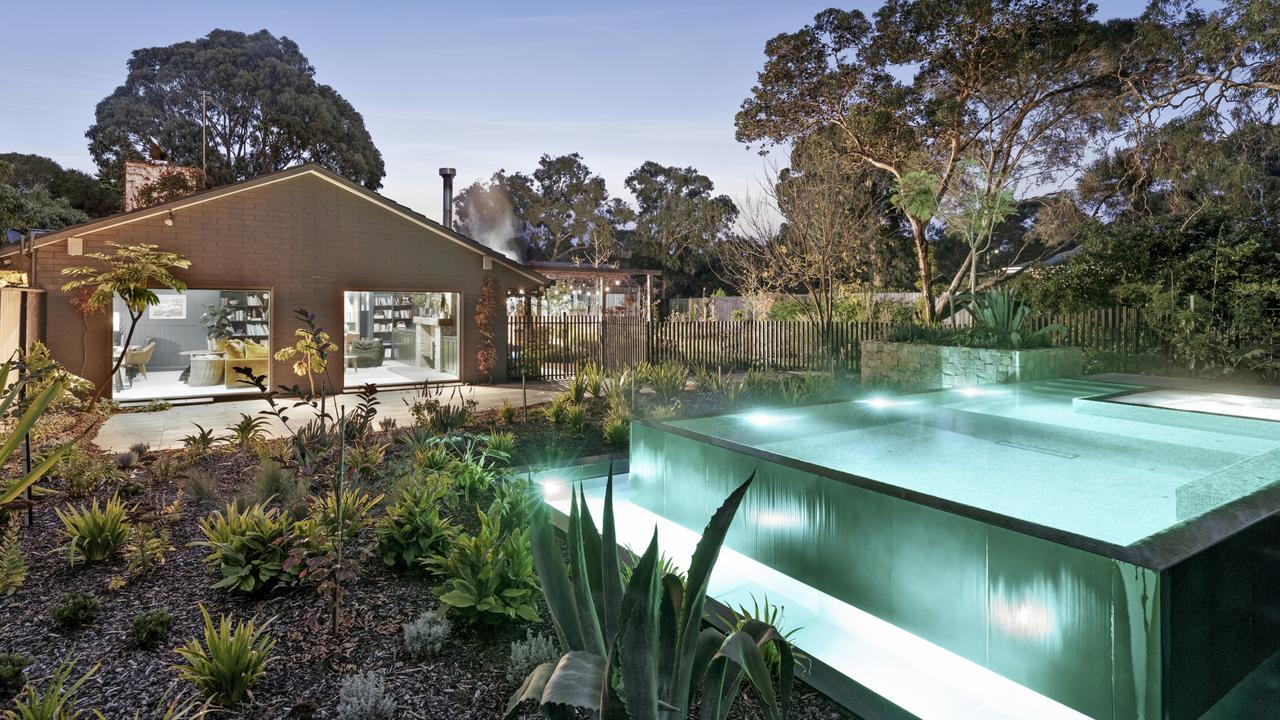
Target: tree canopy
(1016,87)
(81,190)
(32,207)
(266,112)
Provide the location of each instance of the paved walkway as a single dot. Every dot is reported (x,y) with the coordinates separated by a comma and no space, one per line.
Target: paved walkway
(166,428)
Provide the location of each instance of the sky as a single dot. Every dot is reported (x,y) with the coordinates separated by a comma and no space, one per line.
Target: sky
(478,86)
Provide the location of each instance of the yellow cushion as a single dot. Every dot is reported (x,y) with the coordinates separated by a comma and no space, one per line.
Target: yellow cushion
(235,349)
(254,350)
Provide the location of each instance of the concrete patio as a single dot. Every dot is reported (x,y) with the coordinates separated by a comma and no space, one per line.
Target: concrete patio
(166,428)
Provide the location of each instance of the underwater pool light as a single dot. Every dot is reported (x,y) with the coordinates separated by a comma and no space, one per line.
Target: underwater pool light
(553,488)
(878,403)
(971,391)
(761,418)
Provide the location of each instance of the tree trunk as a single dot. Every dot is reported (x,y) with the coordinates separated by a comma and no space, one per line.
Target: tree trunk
(97,395)
(922,259)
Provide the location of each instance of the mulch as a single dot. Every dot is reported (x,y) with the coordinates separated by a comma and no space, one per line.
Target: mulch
(466,681)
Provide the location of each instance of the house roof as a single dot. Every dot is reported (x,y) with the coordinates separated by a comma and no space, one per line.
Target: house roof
(305,170)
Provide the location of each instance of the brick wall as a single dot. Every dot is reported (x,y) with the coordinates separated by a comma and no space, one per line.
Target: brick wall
(305,239)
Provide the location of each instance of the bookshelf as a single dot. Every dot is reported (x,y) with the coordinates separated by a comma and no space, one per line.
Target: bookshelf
(250,318)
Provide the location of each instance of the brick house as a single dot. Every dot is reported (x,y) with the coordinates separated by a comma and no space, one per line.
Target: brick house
(396,291)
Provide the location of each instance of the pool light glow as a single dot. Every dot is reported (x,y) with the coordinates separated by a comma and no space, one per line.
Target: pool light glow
(761,418)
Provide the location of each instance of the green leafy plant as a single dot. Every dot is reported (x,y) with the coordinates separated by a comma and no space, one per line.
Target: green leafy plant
(75,609)
(217,322)
(507,412)
(514,502)
(413,529)
(576,390)
(616,430)
(229,661)
(248,431)
(200,442)
(144,550)
(557,409)
(13,674)
(489,575)
(27,414)
(248,547)
(668,380)
(500,445)
(57,701)
(150,628)
(575,418)
(13,562)
(639,650)
(83,472)
(924,334)
(425,636)
(94,533)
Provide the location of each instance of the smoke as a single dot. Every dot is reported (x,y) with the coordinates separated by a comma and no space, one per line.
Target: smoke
(491,220)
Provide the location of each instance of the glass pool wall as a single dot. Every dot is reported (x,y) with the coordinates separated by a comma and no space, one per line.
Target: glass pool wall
(1105,637)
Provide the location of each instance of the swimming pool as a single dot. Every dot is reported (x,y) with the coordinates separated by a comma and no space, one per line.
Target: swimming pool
(1112,556)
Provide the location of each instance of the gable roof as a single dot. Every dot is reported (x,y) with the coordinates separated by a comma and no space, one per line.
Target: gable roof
(305,170)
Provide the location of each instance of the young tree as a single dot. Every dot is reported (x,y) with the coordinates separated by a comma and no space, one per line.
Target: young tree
(835,224)
(265,112)
(1019,85)
(131,271)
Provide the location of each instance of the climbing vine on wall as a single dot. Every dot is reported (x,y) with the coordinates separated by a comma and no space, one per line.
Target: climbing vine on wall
(486,314)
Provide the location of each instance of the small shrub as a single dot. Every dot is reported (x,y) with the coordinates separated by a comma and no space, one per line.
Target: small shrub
(557,409)
(166,467)
(95,533)
(514,501)
(387,424)
(13,674)
(507,413)
(616,430)
(770,614)
(199,442)
(577,388)
(668,380)
(126,459)
(141,449)
(500,445)
(150,628)
(248,547)
(575,418)
(75,609)
(363,696)
(229,661)
(425,637)
(130,489)
(412,529)
(13,562)
(490,574)
(144,551)
(247,432)
(271,480)
(83,472)
(528,654)
(200,484)
(58,699)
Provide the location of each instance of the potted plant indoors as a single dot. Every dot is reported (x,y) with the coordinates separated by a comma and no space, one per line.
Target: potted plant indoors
(217,325)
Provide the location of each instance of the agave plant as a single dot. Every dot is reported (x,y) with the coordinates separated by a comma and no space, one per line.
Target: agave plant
(640,650)
(999,318)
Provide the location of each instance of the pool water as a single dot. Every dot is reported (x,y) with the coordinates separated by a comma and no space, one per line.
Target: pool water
(1046,453)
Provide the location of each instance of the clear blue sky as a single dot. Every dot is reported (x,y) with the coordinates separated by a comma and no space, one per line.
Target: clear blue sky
(476,85)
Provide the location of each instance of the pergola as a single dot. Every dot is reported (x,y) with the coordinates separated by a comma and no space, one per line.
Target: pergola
(598,289)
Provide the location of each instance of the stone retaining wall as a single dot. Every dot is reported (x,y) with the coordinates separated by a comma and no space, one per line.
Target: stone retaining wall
(916,366)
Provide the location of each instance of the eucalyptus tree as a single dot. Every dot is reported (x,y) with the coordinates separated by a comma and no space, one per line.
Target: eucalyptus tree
(1020,86)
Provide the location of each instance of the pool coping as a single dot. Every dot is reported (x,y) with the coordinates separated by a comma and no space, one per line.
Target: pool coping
(1158,552)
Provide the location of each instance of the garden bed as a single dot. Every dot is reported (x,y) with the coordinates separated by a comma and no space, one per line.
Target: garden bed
(467,679)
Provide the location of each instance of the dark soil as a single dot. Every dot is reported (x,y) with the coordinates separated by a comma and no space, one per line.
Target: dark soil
(466,681)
